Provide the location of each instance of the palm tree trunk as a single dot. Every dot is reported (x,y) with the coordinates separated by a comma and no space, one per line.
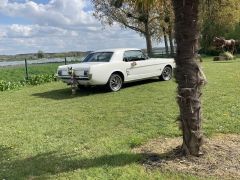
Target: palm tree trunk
(165,41)
(188,75)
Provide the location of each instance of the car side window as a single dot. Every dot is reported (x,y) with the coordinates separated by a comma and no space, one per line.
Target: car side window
(98,57)
(133,55)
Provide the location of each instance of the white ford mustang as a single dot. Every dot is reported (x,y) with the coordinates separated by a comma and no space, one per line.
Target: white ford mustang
(113,67)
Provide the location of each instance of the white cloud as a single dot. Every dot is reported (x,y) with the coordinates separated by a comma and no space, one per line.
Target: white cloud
(2,34)
(3,3)
(31,38)
(20,30)
(59,25)
(55,13)
(29,31)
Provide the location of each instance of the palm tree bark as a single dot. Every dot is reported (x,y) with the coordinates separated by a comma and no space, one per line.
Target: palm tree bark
(189,76)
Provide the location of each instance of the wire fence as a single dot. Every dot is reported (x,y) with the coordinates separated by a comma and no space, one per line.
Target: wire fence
(23,70)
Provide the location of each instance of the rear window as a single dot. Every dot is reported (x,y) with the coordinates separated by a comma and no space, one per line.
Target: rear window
(99,57)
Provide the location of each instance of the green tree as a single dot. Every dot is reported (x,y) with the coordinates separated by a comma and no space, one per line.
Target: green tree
(40,54)
(218,18)
(166,25)
(141,16)
(168,17)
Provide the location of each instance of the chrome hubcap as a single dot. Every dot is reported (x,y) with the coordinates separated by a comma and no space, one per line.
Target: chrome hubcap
(115,82)
(167,73)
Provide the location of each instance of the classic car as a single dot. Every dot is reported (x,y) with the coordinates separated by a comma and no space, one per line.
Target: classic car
(113,67)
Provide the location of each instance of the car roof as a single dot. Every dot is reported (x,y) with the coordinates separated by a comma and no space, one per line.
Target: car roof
(117,50)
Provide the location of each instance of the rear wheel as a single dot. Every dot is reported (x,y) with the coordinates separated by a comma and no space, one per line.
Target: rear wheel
(166,73)
(115,82)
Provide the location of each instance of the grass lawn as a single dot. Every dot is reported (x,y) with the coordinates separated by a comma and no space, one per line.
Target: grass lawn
(45,132)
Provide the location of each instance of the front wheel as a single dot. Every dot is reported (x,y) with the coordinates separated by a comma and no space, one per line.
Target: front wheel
(166,73)
(115,82)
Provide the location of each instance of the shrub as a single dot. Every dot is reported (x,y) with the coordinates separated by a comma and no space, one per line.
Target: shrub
(227,55)
(33,80)
(211,51)
(40,79)
(5,85)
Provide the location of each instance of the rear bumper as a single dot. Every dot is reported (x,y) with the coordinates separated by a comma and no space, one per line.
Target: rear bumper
(77,78)
(80,80)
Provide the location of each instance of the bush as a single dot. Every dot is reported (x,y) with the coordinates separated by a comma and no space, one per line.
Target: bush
(5,85)
(40,54)
(33,80)
(227,55)
(238,49)
(211,51)
(40,79)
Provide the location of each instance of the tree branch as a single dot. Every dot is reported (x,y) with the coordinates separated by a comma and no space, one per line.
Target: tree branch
(134,28)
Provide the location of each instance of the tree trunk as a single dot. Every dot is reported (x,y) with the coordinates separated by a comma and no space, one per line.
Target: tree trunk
(189,76)
(148,40)
(171,41)
(165,41)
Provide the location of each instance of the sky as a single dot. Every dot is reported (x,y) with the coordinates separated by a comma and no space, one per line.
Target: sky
(27,26)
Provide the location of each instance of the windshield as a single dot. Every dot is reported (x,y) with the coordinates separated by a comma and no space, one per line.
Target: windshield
(99,57)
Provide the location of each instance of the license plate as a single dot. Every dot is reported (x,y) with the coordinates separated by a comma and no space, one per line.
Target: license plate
(80,72)
(65,73)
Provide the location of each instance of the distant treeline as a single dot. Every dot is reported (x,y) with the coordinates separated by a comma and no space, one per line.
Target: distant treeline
(33,56)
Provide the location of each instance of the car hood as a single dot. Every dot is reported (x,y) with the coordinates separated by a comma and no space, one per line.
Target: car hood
(85,65)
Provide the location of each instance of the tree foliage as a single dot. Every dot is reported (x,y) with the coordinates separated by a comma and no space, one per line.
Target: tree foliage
(142,16)
(40,54)
(167,24)
(218,18)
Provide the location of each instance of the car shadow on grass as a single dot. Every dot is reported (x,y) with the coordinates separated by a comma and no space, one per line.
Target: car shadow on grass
(66,93)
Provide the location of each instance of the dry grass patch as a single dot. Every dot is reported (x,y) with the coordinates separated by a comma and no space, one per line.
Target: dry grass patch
(221,157)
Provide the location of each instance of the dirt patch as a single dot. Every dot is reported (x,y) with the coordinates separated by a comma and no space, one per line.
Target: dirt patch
(221,157)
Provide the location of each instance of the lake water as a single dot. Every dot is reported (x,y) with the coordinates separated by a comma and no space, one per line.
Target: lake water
(39,61)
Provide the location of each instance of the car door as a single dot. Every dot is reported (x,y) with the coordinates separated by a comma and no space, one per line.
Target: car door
(138,66)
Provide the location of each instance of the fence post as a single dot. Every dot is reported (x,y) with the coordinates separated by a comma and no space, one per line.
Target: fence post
(26,69)
(65,61)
